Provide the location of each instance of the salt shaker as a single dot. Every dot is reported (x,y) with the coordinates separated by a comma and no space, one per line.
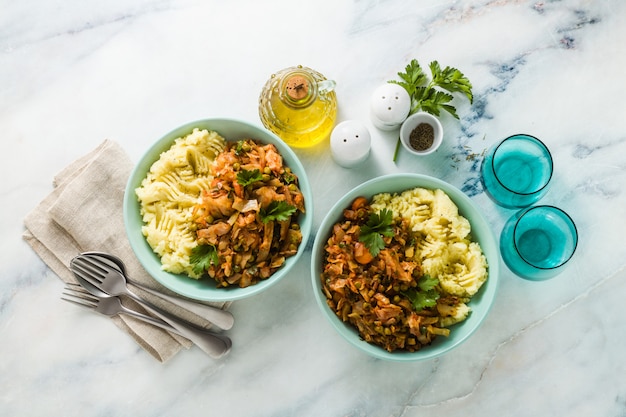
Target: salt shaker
(350,143)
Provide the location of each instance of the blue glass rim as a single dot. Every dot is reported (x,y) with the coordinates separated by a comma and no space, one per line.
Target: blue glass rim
(567,216)
(541,144)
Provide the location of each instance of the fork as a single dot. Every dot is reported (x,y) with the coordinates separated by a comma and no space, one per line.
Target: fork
(214,345)
(109,306)
(211,343)
(109,279)
(221,318)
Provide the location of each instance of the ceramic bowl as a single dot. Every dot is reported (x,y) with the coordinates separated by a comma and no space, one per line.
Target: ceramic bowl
(480,304)
(411,123)
(205,289)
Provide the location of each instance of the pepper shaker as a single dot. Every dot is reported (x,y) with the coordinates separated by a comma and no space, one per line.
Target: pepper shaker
(389,106)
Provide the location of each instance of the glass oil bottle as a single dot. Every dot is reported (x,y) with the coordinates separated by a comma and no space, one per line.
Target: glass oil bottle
(299,105)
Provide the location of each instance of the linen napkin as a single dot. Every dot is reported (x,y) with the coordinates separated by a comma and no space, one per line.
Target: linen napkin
(84,213)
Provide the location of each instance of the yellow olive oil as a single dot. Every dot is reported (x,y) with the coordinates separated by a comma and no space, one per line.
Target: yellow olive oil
(299,105)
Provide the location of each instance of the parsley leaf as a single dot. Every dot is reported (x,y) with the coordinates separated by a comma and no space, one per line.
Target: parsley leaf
(242,147)
(424,94)
(245,177)
(412,78)
(289,177)
(277,210)
(427,283)
(377,226)
(202,257)
(451,79)
(434,100)
(427,295)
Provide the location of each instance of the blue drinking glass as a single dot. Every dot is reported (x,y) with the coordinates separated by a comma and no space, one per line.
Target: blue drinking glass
(516,173)
(537,242)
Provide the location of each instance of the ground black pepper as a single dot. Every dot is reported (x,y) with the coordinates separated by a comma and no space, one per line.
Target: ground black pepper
(422,137)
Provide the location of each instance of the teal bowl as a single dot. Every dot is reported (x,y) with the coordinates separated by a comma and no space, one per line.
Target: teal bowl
(205,289)
(481,233)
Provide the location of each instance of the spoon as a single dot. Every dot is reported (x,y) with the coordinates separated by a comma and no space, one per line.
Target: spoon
(213,344)
(221,318)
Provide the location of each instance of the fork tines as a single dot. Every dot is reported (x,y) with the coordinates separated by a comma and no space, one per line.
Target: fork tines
(79,296)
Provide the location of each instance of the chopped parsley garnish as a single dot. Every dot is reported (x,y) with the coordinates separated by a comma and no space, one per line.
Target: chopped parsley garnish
(277,210)
(378,225)
(242,147)
(289,177)
(245,177)
(202,257)
(425,295)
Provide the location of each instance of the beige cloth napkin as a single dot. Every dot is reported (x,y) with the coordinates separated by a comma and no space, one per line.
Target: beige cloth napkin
(84,213)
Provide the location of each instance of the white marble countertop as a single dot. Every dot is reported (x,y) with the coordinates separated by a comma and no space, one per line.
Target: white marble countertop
(74,73)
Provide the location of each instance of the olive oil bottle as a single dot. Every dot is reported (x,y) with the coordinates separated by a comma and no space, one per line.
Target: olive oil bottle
(299,105)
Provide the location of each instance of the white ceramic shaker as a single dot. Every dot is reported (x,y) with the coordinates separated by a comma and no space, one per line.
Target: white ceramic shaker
(389,106)
(350,143)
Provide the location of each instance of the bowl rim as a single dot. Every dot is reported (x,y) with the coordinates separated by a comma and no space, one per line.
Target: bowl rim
(481,302)
(204,290)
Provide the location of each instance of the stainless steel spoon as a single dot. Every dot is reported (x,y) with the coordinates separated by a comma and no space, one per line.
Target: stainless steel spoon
(221,318)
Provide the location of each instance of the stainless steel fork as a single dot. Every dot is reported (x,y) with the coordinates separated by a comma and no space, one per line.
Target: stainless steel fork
(109,306)
(213,344)
(101,260)
(109,278)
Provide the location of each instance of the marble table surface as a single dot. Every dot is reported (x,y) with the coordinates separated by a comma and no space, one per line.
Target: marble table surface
(74,73)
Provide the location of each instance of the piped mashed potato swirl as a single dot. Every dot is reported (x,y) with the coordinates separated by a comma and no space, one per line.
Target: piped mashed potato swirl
(169,192)
(444,247)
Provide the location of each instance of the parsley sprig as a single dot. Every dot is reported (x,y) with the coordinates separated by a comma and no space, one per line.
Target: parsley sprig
(202,257)
(372,232)
(426,294)
(427,96)
(247,177)
(277,210)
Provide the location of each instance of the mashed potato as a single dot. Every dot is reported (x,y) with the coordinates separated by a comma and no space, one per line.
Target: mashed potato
(443,246)
(169,192)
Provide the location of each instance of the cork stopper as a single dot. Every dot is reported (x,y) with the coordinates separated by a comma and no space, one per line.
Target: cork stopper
(297,87)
